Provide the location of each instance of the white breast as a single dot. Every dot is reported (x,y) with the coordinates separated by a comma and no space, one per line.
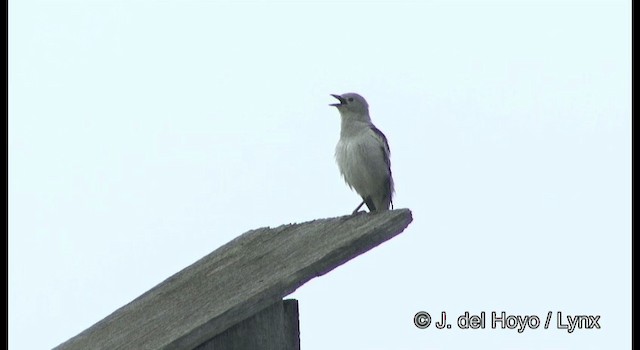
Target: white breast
(361,161)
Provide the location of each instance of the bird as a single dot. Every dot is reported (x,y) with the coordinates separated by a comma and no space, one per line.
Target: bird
(363,154)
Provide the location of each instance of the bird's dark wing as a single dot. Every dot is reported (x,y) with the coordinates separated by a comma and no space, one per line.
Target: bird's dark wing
(386,151)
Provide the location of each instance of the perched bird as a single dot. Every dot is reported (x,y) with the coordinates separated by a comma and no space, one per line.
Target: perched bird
(363,153)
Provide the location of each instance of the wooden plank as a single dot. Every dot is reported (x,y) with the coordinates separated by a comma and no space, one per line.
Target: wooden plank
(291,324)
(274,328)
(238,280)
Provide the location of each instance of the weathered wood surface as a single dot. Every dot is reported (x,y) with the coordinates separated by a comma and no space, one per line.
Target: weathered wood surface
(274,328)
(236,281)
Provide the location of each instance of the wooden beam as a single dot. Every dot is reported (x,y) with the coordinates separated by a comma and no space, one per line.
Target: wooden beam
(238,280)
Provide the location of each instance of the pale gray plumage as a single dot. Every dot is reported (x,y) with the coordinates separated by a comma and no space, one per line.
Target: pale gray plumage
(363,153)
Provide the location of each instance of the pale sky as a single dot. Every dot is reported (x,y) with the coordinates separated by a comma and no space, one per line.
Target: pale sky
(145,134)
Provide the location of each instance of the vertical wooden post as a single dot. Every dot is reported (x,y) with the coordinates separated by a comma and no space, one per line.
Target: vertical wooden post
(291,324)
(274,328)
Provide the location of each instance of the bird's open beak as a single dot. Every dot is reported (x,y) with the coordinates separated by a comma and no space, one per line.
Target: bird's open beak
(340,98)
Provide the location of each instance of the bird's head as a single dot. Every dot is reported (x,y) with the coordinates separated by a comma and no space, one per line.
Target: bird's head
(352,105)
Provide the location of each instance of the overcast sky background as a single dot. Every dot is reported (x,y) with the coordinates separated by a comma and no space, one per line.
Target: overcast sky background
(145,134)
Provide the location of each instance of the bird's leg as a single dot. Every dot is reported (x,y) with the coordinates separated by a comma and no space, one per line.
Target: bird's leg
(358,208)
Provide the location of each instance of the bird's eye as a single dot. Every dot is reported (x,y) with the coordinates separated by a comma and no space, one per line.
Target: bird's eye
(350,99)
